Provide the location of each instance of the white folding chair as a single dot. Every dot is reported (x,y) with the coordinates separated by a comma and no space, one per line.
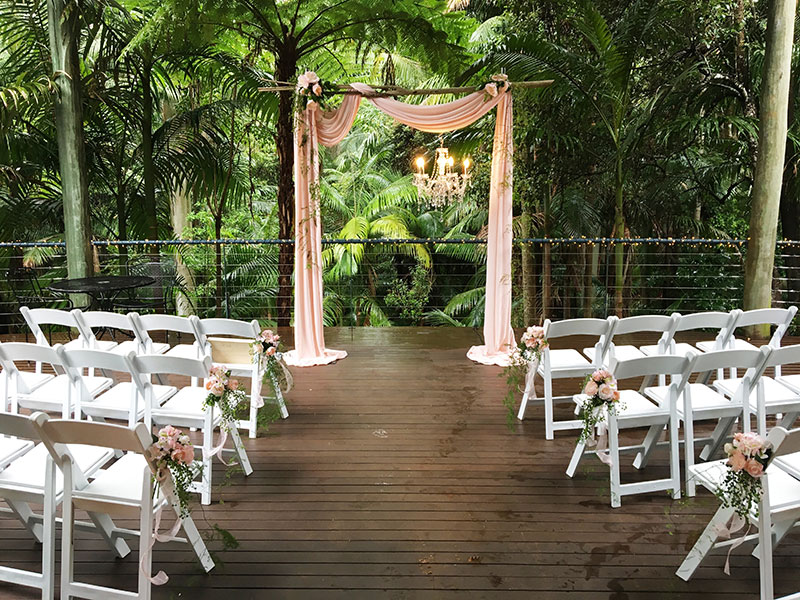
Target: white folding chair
(125,401)
(781,395)
(242,333)
(636,411)
(124,490)
(567,364)
(60,394)
(185,409)
(780,504)
(639,324)
(144,324)
(141,343)
(724,322)
(781,318)
(700,402)
(32,479)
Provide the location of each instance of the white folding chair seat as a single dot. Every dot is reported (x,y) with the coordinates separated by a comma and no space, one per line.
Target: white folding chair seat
(777,396)
(184,351)
(567,364)
(677,349)
(634,410)
(48,398)
(187,406)
(566,358)
(12,448)
(733,344)
(781,318)
(624,352)
(116,482)
(31,381)
(29,469)
(704,399)
(116,402)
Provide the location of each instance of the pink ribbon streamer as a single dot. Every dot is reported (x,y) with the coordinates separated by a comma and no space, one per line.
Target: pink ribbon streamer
(161,577)
(734,524)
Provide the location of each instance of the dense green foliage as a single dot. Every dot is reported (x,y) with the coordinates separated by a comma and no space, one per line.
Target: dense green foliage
(650,129)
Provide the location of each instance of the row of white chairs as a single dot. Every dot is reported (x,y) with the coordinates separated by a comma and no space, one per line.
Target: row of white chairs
(570,364)
(57,467)
(76,395)
(681,404)
(204,332)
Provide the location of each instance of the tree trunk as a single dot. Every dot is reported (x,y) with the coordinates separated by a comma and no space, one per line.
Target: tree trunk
(285,71)
(769,164)
(619,232)
(148,168)
(64,33)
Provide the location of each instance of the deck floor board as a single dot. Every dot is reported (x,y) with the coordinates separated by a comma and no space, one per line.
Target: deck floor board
(396,476)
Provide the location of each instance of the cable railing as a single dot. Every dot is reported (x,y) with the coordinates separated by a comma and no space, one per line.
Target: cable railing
(424,281)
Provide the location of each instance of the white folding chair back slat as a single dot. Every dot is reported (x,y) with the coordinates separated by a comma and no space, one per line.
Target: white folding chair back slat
(124,488)
(635,411)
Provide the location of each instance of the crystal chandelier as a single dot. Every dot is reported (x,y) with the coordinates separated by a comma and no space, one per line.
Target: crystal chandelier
(443,186)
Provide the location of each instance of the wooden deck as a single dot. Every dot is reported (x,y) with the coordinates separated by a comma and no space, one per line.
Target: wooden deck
(396,476)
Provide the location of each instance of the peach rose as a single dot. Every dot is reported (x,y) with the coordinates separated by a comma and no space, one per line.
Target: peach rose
(317,89)
(590,389)
(234,384)
(616,395)
(754,468)
(491,89)
(737,461)
(605,391)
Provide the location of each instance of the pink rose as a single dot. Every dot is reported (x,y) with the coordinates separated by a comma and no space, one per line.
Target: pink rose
(270,351)
(317,89)
(234,384)
(491,89)
(754,468)
(218,389)
(590,389)
(616,395)
(605,391)
(737,461)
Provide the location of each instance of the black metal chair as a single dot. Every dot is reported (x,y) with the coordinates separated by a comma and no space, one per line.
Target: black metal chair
(158,297)
(28,291)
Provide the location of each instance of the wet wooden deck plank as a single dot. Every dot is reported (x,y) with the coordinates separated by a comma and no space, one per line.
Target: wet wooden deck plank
(396,476)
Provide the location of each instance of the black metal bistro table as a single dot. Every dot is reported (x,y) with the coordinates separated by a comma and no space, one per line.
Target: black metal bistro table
(103,289)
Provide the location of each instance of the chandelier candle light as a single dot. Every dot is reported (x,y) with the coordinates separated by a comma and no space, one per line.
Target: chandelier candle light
(443,186)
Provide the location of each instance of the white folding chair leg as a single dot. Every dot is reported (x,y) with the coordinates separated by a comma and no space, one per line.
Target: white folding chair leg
(67,537)
(280,400)
(189,528)
(49,532)
(688,452)
(106,528)
(704,543)
(577,455)
(252,423)
(779,531)
(522,406)
(648,446)
(613,453)
(548,407)
(205,485)
(241,452)
(765,542)
(145,531)
(788,420)
(675,455)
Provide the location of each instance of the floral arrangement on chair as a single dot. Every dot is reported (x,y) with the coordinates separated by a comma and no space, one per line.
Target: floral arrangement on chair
(173,451)
(741,488)
(224,393)
(313,88)
(602,398)
(528,349)
(266,350)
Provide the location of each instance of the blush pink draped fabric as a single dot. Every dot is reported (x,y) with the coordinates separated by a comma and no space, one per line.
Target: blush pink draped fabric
(313,127)
(497,333)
